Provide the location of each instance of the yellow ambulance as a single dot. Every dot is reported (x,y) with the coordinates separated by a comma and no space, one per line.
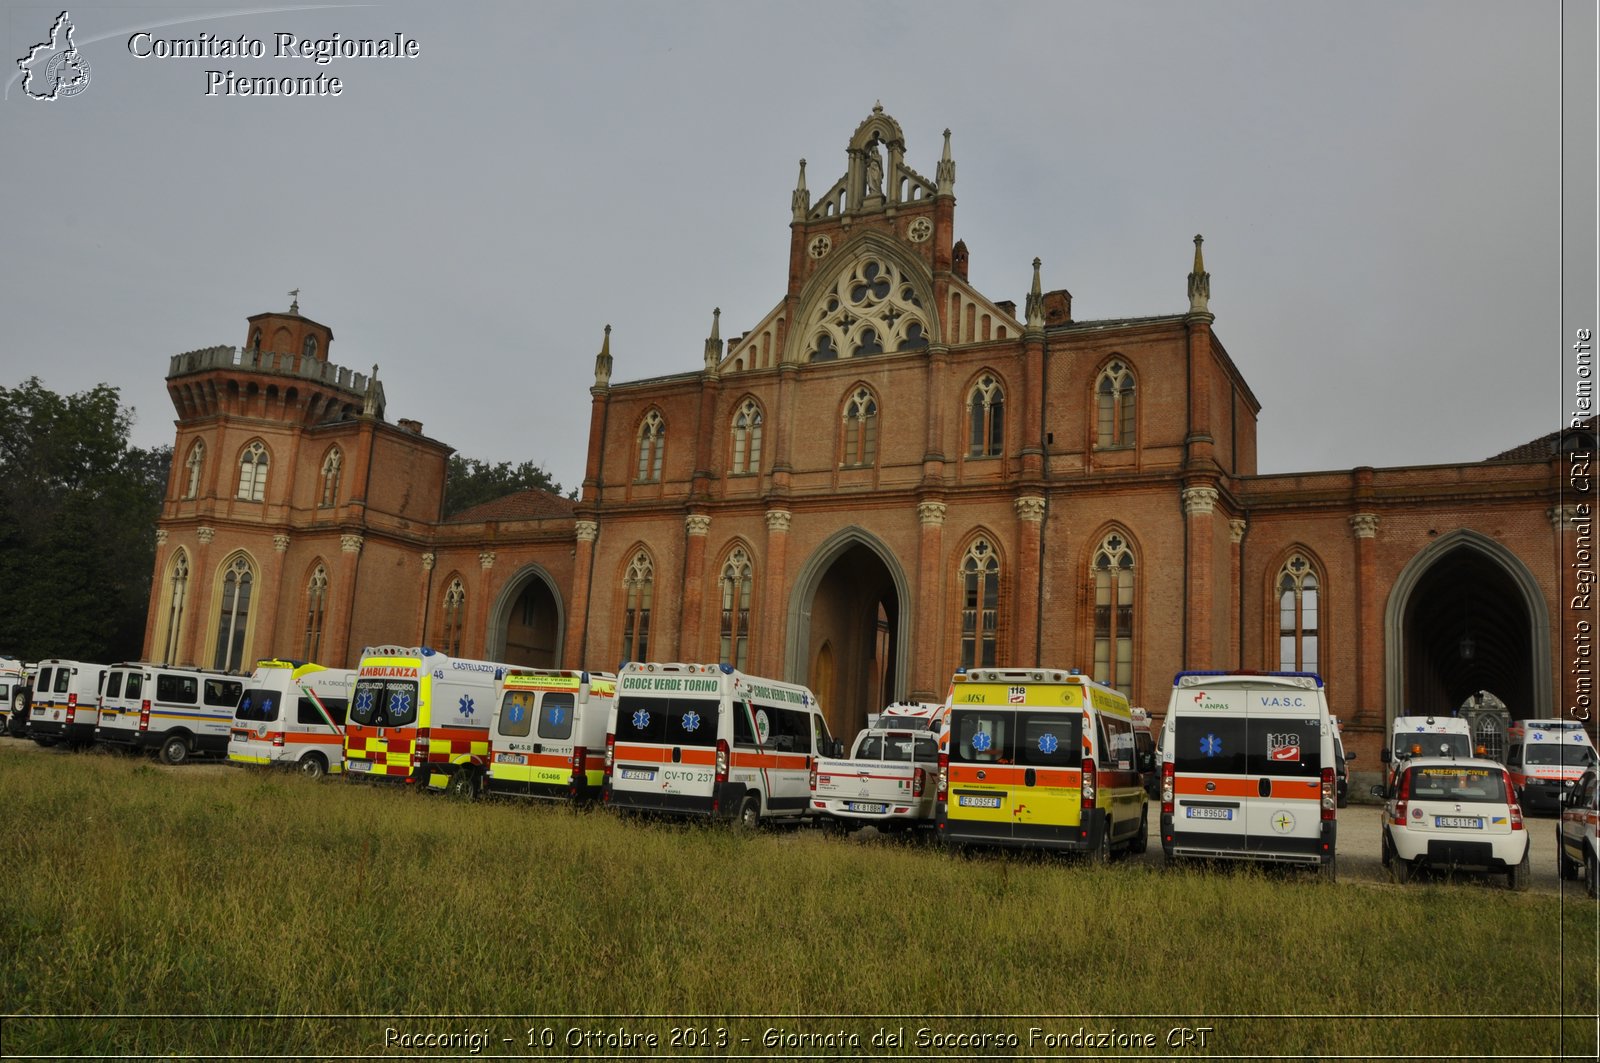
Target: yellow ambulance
(1040,758)
(547,737)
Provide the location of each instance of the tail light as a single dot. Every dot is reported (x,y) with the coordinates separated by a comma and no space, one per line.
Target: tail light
(813,778)
(419,749)
(1088,784)
(72,707)
(1330,794)
(1400,800)
(1516,806)
(611,753)
(144,715)
(942,792)
(1167,787)
(722,761)
(277,739)
(916,782)
(579,755)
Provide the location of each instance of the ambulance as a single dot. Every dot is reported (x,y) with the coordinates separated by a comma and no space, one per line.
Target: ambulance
(547,735)
(175,712)
(292,716)
(66,702)
(706,740)
(1039,758)
(1248,770)
(1546,759)
(1428,736)
(421,717)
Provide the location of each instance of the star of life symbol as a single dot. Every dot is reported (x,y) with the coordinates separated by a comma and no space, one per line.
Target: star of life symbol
(466,705)
(691,721)
(1048,743)
(641,719)
(981,741)
(1211,746)
(55,69)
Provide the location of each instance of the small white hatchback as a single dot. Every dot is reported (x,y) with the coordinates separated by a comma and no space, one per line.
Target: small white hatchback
(1445,813)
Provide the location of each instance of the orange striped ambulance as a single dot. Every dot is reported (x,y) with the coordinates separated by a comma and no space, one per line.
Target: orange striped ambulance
(292,715)
(707,740)
(547,736)
(421,717)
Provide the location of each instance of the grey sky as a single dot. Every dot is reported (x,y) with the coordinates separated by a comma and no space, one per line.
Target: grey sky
(1378,184)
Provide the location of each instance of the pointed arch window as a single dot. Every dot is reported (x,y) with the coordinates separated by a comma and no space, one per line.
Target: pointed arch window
(316,608)
(452,618)
(652,441)
(233,614)
(195,463)
(177,598)
(980,608)
(986,426)
(747,438)
(860,429)
(310,347)
(738,579)
(1114,394)
(330,476)
(253,472)
(1298,615)
(1113,572)
(638,586)
(255,341)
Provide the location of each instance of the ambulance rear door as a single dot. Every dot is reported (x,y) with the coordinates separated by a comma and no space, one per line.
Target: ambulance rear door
(1284,762)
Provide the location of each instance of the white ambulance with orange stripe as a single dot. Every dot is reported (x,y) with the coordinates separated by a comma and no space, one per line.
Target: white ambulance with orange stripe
(707,740)
(1248,769)
(421,717)
(1546,758)
(292,715)
(1040,758)
(547,737)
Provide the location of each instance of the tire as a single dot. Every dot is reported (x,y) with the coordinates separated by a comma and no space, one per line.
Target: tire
(1101,853)
(463,785)
(1386,850)
(1141,841)
(1329,872)
(1400,870)
(1521,876)
(312,766)
(175,750)
(749,815)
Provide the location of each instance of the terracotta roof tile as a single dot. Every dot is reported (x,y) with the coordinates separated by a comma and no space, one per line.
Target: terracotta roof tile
(532,504)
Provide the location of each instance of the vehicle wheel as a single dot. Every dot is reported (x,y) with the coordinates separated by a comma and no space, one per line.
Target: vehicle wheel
(1386,850)
(1329,872)
(1101,854)
(1141,841)
(1519,877)
(749,814)
(175,750)
(463,784)
(1400,870)
(312,766)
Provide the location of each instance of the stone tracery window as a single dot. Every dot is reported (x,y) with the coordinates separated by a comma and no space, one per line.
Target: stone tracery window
(233,613)
(1298,609)
(860,429)
(747,438)
(738,578)
(986,418)
(872,308)
(638,585)
(330,476)
(452,618)
(1114,406)
(980,605)
(253,472)
(652,441)
(316,607)
(1112,570)
(179,598)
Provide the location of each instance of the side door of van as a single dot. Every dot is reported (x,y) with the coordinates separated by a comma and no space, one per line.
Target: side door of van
(1284,762)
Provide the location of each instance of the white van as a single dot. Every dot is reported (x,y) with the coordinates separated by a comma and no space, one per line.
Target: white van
(708,740)
(547,736)
(292,716)
(66,702)
(177,712)
(1248,770)
(1428,736)
(1546,758)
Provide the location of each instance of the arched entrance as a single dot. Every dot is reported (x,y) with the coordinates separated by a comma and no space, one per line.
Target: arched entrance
(525,623)
(1466,619)
(848,633)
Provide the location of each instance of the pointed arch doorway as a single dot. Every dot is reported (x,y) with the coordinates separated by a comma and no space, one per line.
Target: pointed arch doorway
(526,621)
(849,632)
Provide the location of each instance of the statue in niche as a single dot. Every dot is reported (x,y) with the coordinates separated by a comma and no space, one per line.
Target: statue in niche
(874,171)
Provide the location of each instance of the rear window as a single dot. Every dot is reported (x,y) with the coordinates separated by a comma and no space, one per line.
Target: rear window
(257,703)
(1458,784)
(1209,745)
(1550,754)
(114,685)
(63,678)
(177,689)
(1037,739)
(668,721)
(43,682)
(133,685)
(384,702)
(555,714)
(1285,747)
(516,712)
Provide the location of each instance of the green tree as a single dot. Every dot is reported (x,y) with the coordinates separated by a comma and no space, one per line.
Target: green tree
(78,507)
(469,482)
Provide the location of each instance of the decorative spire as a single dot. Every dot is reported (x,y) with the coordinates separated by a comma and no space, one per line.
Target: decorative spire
(1199,282)
(714,342)
(602,362)
(802,198)
(946,173)
(1035,305)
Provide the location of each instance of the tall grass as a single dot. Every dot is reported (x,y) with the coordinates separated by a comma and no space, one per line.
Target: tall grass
(130,889)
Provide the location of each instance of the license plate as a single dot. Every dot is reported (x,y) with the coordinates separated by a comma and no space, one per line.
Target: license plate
(1208,813)
(511,758)
(639,774)
(966,801)
(358,765)
(241,736)
(1468,822)
(865,806)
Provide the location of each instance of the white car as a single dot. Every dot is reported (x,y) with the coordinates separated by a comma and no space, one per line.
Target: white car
(1578,833)
(1444,812)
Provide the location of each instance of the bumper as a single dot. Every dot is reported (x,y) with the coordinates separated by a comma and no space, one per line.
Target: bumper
(1178,844)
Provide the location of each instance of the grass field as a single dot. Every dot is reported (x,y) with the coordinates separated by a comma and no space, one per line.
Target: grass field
(130,889)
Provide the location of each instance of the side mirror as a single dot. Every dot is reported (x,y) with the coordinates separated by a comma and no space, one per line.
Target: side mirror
(1385,756)
(1377,791)
(1349,756)
(836,750)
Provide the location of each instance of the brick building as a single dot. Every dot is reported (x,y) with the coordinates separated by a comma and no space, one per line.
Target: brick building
(889,476)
